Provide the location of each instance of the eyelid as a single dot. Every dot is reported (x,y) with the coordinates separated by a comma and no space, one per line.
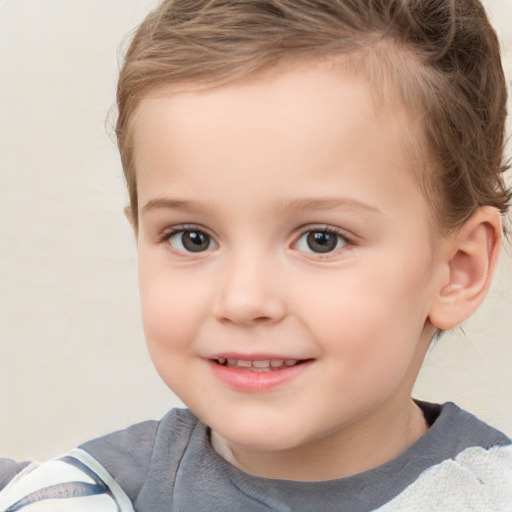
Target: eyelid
(176,228)
(328,228)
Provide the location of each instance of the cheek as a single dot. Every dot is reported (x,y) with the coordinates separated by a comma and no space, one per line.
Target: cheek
(169,307)
(170,324)
(368,311)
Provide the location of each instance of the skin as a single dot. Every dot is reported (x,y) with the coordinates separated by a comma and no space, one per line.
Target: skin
(256,165)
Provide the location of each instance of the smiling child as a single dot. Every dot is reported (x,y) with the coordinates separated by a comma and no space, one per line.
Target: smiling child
(316,191)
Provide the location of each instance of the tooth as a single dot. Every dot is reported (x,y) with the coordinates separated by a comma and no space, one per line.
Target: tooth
(221,360)
(276,362)
(290,362)
(232,362)
(244,364)
(261,364)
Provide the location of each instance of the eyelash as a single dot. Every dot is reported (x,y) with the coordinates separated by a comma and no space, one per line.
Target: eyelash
(329,230)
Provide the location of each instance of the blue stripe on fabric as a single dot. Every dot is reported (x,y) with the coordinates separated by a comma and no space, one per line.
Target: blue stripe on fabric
(92,475)
(57,492)
(67,489)
(84,469)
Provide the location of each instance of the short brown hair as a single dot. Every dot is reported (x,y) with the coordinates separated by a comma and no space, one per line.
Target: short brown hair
(453,77)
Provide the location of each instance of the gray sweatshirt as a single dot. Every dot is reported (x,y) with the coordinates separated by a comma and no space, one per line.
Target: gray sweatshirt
(460,463)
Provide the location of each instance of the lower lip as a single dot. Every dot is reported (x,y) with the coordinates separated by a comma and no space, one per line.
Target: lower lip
(247,380)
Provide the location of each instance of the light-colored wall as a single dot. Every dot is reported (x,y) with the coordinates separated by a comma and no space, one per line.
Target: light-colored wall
(73,364)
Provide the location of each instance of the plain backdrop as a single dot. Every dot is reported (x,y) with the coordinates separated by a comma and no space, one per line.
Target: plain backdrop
(73,364)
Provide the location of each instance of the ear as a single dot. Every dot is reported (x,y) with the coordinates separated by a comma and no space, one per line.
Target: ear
(129,216)
(469,258)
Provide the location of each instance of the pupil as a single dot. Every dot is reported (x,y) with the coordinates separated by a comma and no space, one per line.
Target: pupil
(195,241)
(322,241)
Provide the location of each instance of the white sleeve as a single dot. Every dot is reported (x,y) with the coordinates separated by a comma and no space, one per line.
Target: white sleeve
(477,479)
(71,483)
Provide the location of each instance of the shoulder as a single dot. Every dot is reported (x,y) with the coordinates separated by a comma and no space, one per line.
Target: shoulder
(105,474)
(138,441)
(467,465)
(9,469)
(476,479)
(77,480)
(128,454)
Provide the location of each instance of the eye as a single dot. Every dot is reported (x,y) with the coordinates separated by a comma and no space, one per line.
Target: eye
(321,241)
(191,240)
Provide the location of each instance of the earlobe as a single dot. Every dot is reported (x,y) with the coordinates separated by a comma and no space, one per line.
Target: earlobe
(470,257)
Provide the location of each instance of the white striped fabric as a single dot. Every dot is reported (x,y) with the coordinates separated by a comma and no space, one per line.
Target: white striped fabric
(72,483)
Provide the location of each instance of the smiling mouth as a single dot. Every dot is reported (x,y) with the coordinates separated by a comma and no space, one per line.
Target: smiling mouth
(265,365)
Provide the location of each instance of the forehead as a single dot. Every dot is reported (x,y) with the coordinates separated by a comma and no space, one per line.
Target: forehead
(291,123)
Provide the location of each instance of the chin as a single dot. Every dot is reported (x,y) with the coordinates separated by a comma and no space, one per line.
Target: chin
(260,439)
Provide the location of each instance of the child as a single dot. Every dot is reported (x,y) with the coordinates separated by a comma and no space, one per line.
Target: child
(316,190)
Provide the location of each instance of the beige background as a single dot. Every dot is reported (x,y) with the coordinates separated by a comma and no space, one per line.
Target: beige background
(73,364)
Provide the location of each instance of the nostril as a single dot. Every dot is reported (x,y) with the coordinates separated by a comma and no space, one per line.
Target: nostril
(262,319)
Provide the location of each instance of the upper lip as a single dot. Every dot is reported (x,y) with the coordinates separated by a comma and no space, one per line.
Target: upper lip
(255,357)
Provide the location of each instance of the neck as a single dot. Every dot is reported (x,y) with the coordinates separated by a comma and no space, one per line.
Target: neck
(354,449)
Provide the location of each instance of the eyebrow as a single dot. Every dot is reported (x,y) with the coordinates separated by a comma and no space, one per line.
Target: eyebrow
(171,204)
(327,204)
(299,205)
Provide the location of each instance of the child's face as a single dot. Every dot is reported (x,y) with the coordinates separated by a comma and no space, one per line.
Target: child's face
(279,220)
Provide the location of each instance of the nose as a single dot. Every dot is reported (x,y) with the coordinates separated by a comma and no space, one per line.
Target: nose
(249,294)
